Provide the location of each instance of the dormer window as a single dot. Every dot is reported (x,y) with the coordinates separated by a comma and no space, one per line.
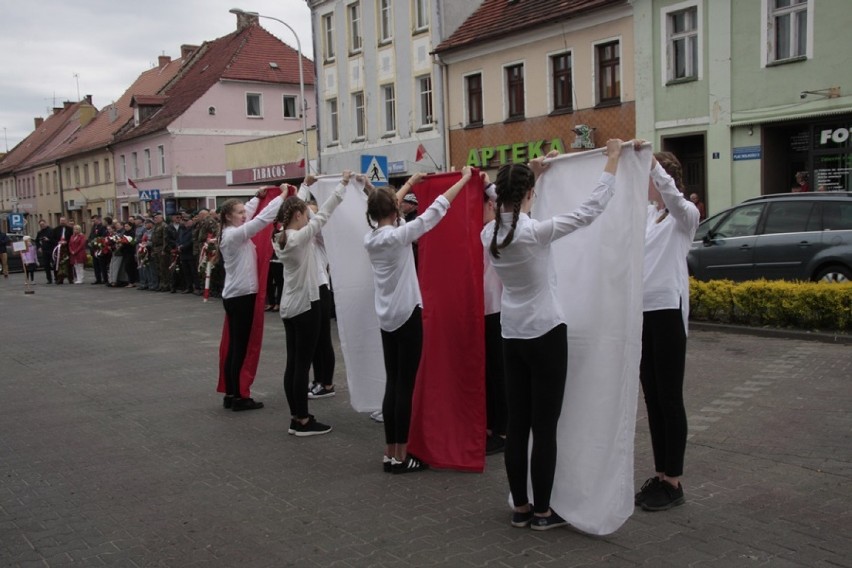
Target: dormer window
(145,106)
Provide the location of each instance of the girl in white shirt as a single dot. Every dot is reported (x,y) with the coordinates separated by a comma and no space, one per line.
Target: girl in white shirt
(398,305)
(535,340)
(240,292)
(669,230)
(300,302)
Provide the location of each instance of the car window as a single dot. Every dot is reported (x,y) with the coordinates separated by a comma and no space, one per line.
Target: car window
(708,224)
(787,217)
(742,222)
(837,216)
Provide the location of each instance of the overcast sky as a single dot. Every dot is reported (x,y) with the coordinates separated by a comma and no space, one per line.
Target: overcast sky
(107,44)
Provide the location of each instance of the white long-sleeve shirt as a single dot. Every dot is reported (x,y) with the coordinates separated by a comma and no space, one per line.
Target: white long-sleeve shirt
(299,260)
(525,267)
(394,274)
(238,252)
(304,194)
(665,275)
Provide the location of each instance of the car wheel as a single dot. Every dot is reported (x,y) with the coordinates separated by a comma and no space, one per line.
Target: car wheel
(834,273)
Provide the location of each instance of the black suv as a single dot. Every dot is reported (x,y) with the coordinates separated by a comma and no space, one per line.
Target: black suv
(789,236)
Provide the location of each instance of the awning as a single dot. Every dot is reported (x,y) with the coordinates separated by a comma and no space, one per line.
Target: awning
(797,111)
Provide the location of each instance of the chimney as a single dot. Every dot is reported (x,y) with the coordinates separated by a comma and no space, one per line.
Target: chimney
(187,50)
(38,122)
(245,20)
(88,99)
(66,104)
(57,110)
(163,60)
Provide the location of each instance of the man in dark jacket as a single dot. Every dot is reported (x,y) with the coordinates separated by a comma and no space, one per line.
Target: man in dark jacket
(45,245)
(98,230)
(187,259)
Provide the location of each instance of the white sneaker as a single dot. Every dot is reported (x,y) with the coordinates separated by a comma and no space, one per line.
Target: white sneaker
(377,416)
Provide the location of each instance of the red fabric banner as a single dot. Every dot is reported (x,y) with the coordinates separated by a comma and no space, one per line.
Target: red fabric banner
(263,245)
(448,410)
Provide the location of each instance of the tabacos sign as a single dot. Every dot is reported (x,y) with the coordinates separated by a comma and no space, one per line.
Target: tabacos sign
(517,153)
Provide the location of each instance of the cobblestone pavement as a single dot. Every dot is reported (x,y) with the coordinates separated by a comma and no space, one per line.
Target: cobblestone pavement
(114,450)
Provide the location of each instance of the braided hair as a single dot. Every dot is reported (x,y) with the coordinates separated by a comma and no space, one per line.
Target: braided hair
(672,166)
(380,204)
(292,205)
(513,182)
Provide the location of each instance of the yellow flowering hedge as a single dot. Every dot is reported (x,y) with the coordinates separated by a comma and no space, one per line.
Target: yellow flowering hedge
(777,303)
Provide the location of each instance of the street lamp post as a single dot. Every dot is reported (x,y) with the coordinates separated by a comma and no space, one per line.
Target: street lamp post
(303,105)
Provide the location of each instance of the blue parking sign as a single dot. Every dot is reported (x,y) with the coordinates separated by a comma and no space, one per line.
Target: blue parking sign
(16,222)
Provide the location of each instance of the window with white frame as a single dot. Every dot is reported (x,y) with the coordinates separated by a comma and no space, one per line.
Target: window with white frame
(76,175)
(682,44)
(86,178)
(360,118)
(608,68)
(107,171)
(68,174)
(424,99)
(562,88)
(147,154)
(328,37)
(473,91)
(254,105)
(385,13)
(333,132)
(96,167)
(134,165)
(421,15)
(515,91)
(161,154)
(289,102)
(354,14)
(389,106)
(40,186)
(787,29)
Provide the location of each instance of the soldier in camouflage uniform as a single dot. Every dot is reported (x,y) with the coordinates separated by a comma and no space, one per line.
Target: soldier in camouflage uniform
(158,255)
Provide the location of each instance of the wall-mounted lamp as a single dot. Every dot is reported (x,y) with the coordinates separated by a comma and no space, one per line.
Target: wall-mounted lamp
(829,93)
(750,130)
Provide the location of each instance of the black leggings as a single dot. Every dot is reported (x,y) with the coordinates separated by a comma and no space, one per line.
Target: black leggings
(302,335)
(274,283)
(240,312)
(401,348)
(661,373)
(324,354)
(535,381)
(495,381)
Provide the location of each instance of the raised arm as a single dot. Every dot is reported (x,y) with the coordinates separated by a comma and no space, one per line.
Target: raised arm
(681,209)
(406,187)
(321,217)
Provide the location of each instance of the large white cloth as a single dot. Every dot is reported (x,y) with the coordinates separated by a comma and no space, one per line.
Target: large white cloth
(599,272)
(352,281)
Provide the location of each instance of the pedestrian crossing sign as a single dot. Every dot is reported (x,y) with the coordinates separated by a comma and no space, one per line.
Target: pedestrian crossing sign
(375,168)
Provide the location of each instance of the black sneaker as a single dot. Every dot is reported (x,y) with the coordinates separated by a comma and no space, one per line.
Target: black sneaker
(310,428)
(521,520)
(494,445)
(647,487)
(410,464)
(228,401)
(386,464)
(663,497)
(547,523)
(320,391)
(239,404)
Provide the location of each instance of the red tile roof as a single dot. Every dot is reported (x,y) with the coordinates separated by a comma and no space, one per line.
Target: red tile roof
(243,55)
(498,18)
(100,131)
(147,100)
(39,137)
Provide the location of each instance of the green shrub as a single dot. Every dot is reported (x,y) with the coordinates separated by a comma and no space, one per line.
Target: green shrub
(777,303)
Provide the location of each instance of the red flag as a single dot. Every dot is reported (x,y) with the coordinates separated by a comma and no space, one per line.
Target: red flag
(448,408)
(131,184)
(263,245)
(421,153)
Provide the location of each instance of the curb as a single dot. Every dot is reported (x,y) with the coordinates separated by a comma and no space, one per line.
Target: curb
(823,337)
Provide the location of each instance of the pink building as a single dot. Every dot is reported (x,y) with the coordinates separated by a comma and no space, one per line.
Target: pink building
(239,87)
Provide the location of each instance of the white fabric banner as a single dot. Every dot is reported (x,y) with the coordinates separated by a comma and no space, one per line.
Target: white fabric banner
(352,281)
(599,271)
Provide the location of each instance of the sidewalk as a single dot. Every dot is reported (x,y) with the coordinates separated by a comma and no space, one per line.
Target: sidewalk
(114,450)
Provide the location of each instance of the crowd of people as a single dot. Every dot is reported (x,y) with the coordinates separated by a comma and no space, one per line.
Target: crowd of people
(526,344)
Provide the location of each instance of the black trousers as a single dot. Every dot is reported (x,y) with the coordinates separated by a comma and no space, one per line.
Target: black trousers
(401,348)
(661,373)
(535,379)
(240,311)
(495,380)
(302,334)
(324,355)
(275,283)
(47,260)
(187,268)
